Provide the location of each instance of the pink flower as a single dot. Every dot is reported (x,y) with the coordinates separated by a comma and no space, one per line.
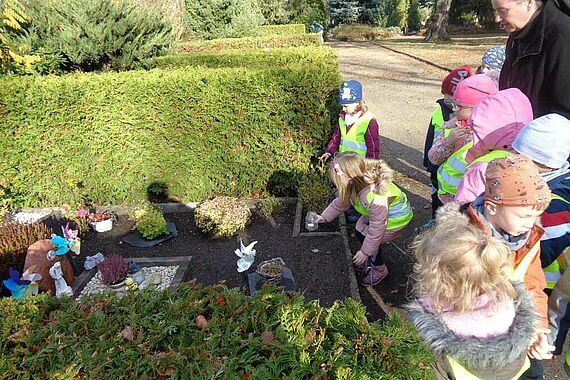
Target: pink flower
(81,213)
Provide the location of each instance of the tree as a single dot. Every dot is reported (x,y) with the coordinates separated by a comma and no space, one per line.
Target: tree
(275,12)
(344,12)
(414,18)
(438,22)
(12,19)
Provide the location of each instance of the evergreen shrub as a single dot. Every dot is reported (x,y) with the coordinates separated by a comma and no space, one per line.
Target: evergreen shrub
(222,216)
(91,35)
(209,19)
(202,132)
(152,334)
(269,42)
(282,30)
(315,191)
(254,58)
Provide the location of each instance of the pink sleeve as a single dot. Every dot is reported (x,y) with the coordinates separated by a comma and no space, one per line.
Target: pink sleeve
(441,150)
(333,210)
(377,219)
(472,184)
(333,145)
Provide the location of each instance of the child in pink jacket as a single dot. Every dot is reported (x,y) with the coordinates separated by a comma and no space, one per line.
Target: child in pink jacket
(495,123)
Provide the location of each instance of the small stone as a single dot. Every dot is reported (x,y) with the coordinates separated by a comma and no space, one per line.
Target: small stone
(155,279)
(315,250)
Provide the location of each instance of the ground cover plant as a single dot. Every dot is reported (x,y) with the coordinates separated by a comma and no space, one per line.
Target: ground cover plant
(282,30)
(205,332)
(250,43)
(222,216)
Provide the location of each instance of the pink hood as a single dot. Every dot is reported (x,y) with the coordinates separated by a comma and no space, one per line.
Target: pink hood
(497,120)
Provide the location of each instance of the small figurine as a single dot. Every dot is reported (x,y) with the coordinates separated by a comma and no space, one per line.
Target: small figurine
(25,286)
(246,254)
(61,287)
(92,261)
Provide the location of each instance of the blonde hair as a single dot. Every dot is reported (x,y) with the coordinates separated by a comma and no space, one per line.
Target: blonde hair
(362,106)
(351,173)
(457,262)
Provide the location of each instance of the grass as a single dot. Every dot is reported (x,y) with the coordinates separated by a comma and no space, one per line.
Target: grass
(461,50)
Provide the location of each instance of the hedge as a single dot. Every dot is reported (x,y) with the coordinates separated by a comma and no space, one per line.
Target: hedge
(105,137)
(250,43)
(282,30)
(204,333)
(251,58)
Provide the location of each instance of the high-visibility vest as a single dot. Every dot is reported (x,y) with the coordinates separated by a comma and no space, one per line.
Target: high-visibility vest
(451,172)
(399,210)
(492,155)
(355,139)
(554,271)
(517,275)
(437,120)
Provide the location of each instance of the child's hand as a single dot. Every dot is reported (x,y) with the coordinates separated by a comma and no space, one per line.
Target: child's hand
(320,219)
(458,133)
(360,258)
(324,158)
(539,348)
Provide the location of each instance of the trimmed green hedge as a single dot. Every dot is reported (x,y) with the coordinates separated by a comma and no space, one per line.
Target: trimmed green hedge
(250,43)
(156,335)
(106,137)
(283,30)
(257,58)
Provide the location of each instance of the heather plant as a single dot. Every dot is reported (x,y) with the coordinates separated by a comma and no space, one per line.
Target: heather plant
(315,191)
(14,242)
(268,206)
(222,216)
(113,269)
(201,332)
(150,221)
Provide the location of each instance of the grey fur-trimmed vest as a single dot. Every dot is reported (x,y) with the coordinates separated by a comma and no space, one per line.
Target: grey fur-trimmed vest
(500,357)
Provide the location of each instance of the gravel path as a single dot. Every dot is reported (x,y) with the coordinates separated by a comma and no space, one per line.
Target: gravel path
(402,92)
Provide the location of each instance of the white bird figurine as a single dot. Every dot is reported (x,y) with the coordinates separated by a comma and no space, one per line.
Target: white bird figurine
(246,254)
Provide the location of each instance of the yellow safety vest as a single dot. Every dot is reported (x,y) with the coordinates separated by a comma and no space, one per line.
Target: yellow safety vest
(450,173)
(399,210)
(461,373)
(355,139)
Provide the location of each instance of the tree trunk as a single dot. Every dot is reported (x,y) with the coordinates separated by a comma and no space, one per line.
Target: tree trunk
(437,23)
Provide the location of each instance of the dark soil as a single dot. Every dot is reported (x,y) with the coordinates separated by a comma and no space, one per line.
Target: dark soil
(319,265)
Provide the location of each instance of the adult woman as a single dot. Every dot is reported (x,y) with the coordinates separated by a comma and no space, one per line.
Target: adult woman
(537,54)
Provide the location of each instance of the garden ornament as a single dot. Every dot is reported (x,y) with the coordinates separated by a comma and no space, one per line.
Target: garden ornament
(246,254)
(24,286)
(133,267)
(61,287)
(92,261)
(60,247)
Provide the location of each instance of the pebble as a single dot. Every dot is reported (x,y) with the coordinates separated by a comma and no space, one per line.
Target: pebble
(25,217)
(164,273)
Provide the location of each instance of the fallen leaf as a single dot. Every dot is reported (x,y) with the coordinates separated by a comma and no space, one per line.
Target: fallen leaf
(245,376)
(394,291)
(315,250)
(167,371)
(127,333)
(201,322)
(220,300)
(267,337)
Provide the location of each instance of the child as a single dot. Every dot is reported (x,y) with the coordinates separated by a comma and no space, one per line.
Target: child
(442,113)
(357,128)
(546,142)
(492,63)
(449,149)
(468,311)
(495,124)
(515,196)
(367,185)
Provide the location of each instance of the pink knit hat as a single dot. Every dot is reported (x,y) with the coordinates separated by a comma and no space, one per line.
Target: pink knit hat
(497,120)
(472,90)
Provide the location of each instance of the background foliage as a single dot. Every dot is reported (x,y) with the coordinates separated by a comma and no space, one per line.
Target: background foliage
(94,35)
(268,42)
(106,137)
(13,53)
(154,334)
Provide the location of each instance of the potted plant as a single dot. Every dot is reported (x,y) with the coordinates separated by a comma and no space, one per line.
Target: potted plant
(272,270)
(100,221)
(113,271)
(150,222)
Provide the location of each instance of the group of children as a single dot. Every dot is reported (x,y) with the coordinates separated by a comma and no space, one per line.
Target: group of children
(501,220)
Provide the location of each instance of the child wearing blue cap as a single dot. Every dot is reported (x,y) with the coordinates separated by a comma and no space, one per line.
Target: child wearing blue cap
(357,128)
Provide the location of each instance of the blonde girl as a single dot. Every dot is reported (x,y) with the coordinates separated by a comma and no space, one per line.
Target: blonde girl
(367,185)
(467,309)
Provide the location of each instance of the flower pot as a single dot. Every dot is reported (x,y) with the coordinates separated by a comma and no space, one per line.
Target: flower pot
(102,226)
(118,287)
